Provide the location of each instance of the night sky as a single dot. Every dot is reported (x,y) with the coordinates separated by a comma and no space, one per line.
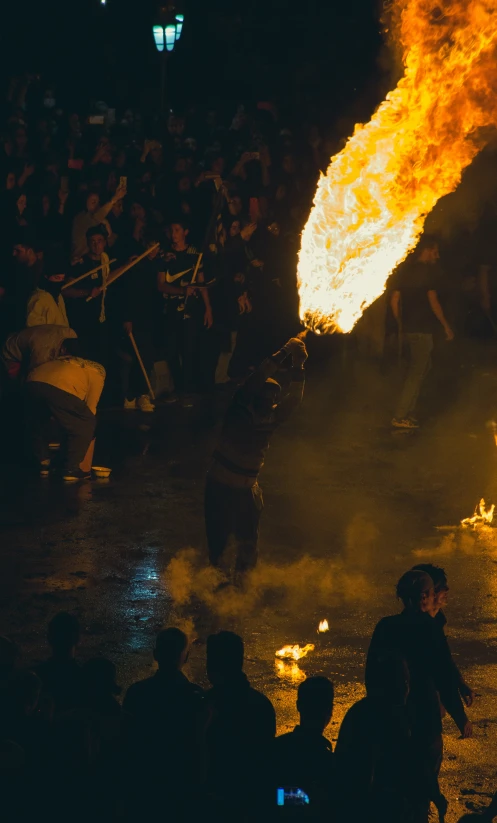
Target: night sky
(319,54)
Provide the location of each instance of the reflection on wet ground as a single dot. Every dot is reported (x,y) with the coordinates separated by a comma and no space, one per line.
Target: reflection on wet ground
(349,507)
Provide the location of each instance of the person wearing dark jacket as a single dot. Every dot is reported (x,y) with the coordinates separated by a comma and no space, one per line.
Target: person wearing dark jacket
(61,673)
(419,639)
(233,498)
(302,760)
(242,723)
(373,758)
(167,736)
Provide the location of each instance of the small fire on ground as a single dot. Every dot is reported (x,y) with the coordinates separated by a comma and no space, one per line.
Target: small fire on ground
(323,627)
(294,652)
(481,517)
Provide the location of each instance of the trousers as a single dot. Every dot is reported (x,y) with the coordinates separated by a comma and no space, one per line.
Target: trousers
(420,347)
(72,414)
(231,511)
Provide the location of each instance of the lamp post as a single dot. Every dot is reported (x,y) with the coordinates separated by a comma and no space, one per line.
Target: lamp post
(167,32)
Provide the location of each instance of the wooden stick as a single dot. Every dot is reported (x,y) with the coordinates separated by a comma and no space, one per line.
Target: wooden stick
(115,275)
(133,343)
(197,266)
(87,274)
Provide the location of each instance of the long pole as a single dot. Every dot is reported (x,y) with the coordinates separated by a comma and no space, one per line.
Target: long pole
(87,274)
(140,361)
(116,274)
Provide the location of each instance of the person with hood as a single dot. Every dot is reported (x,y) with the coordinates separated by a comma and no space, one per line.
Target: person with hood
(46,304)
(233,498)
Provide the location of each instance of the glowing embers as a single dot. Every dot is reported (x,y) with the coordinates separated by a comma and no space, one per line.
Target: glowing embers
(370,207)
(481,517)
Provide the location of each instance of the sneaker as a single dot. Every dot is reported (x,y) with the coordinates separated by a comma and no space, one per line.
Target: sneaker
(145,404)
(405,423)
(129,404)
(72,476)
(44,468)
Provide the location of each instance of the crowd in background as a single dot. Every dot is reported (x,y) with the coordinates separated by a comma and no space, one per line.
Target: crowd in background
(233,184)
(173,750)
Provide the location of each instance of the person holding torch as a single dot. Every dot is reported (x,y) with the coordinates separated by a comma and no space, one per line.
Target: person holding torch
(233,498)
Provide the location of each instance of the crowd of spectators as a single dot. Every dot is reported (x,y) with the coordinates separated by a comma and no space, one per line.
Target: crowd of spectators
(71,749)
(82,191)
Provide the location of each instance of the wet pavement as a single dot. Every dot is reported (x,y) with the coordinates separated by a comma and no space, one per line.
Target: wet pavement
(349,506)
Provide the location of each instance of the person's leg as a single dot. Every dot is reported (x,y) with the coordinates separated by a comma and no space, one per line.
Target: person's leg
(420,347)
(218,518)
(190,354)
(173,342)
(78,422)
(37,422)
(247,517)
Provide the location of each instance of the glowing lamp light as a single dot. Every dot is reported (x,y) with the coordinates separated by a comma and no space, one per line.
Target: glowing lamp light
(159,38)
(168,32)
(180,18)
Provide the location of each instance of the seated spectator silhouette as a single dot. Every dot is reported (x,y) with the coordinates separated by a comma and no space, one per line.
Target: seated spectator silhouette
(242,723)
(419,639)
(373,751)
(303,759)
(168,720)
(61,673)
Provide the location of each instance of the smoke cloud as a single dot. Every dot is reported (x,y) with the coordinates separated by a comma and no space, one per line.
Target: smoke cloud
(320,581)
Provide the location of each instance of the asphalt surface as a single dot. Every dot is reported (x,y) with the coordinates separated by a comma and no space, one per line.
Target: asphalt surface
(349,506)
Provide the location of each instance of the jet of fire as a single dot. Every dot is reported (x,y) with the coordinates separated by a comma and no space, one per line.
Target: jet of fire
(294,652)
(370,207)
(481,517)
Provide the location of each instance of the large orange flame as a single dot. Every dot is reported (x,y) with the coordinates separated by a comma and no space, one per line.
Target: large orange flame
(369,208)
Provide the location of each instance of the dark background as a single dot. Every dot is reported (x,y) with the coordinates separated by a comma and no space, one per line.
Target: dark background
(320,55)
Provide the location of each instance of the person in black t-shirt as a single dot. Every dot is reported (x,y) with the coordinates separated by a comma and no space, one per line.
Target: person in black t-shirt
(187,306)
(417,310)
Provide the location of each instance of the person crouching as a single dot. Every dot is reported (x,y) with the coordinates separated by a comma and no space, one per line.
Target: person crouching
(68,389)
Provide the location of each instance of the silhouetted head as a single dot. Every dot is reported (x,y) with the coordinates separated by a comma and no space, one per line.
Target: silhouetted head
(388,681)
(24,692)
(8,656)
(99,678)
(415,589)
(63,634)
(70,347)
(315,703)
(171,649)
(440,584)
(268,397)
(427,250)
(224,656)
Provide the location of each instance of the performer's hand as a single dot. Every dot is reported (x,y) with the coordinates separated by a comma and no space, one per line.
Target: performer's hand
(467,730)
(449,334)
(297,349)
(128,327)
(208,318)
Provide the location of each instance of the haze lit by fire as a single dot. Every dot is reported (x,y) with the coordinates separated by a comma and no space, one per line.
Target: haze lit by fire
(370,207)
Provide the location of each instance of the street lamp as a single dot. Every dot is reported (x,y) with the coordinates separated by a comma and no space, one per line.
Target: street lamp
(167,31)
